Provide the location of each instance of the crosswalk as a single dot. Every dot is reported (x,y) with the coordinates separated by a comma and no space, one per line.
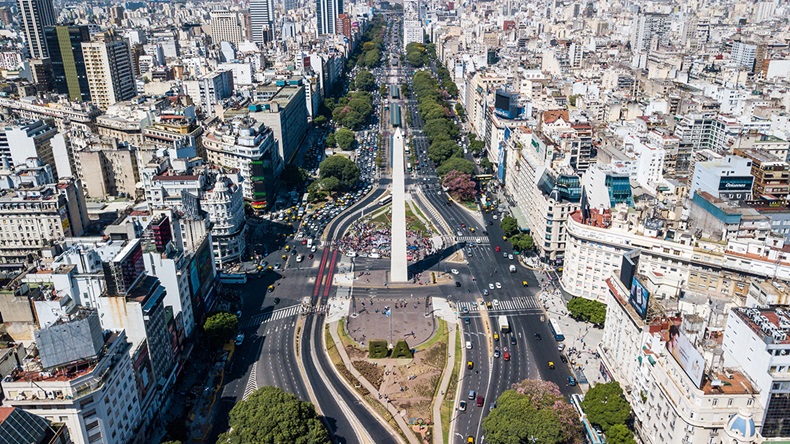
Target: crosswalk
(517,304)
(271,316)
(473,239)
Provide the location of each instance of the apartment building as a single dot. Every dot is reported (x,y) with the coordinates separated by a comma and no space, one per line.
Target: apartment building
(225,27)
(105,166)
(286,114)
(771,174)
(225,207)
(65,114)
(22,140)
(108,66)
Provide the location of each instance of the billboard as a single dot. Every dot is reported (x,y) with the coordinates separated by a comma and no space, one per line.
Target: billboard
(684,352)
(639,297)
(736,183)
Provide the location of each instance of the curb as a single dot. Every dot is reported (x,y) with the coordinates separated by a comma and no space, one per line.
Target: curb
(344,356)
(300,363)
(438,435)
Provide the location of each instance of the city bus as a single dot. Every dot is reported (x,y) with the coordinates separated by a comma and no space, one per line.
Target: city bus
(385,200)
(555,330)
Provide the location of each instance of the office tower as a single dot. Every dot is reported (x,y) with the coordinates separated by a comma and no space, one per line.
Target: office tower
(262,20)
(108,64)
(326,13)
(412,28)
(36,15)
(225,27)
(68,65)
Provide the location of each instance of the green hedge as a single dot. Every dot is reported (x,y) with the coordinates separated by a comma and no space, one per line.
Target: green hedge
(377,349)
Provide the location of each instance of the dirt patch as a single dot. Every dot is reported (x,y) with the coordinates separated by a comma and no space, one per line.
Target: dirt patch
(411,387)
(370,371)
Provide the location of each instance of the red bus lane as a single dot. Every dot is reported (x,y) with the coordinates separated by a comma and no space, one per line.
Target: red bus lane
(330,273)
(317,288)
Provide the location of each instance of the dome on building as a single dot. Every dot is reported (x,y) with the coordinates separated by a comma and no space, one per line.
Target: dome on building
(220,186)
(741,428)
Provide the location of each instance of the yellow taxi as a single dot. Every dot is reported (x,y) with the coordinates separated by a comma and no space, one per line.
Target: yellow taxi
(470,365)
(551,365)
(496,337)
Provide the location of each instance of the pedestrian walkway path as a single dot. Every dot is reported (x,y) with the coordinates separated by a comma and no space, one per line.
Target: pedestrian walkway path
(438,433)
(517,304)
(275,315)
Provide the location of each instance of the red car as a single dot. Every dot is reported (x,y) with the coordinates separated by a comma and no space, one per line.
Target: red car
(498,249)
(506,356)
(480,400)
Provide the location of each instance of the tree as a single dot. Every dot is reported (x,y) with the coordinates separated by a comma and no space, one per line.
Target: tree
(341,168)
(272,416)
(372,58)
(587,310)
(456,164)
(439,129)
(330,140)
(486,165)
(292,176)
(509,225)
(476,146)
(365,81)
(442,150)
(459,110)
(345,138)
(522,242)
(606,406)
(459,185)
(620,434)
(533,411)
(221,326)
(320,120)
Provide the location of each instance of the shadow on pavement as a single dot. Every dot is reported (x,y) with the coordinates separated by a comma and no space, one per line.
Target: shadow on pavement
(434,259)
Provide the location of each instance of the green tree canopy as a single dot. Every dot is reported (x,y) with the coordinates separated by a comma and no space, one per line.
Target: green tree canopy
(486,165)
(459,109)
(372,58)
(620,434)
(345,138)
(365,80)
(457,164)
(330,140)
(221,326)
(440,129)
(476,146)
(606,406)
(341,168)
(320,120)
(442,150)
(587,310)
(522,242)
(509,225)
(533,410)
(271,416)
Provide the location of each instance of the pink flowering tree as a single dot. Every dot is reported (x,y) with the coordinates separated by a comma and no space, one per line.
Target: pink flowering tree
(459,185)
(533,411)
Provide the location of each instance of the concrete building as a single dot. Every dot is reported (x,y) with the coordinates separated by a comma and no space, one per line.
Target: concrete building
(249,147)
(93,393)
(19,426)
(764,332)
(210,89)
(727,178)
(326,15)
(35,15)
(412,27)
(743,55)
(225,27)
(107,167)
(33,139)
(771,176)
(286,114)
(108,66)
(262,20)
(225,207)
(64,113)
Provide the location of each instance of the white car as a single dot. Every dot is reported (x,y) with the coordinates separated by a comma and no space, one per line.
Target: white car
(495,302)
(510,256)
(491,286)
(498,285)
(496,217)
(454,271)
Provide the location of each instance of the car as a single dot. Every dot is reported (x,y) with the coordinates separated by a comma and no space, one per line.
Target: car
(538,336)
(277,266)
(496,353)
(457,284)
(498,249)
(240,339)
(459,233)
(468,344)
(465,309)
(471,394)
(480,400)
(510,256)
(271,288)
(491,286)
(454,271)
(571,381)
(504,254)
(496,337)
(496,217)
(462,405)
(551,365)
(467,320)
(488,304)
(310,256)
(506,356)
(498,285)
(524,284)
(491,406)
(513,340)
(563,359)
(300,258)
(485,292)
(313,249)
(470,440)
(470,365)
(560,347)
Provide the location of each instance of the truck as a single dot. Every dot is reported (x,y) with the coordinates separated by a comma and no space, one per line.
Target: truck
(512,268)
(504,326)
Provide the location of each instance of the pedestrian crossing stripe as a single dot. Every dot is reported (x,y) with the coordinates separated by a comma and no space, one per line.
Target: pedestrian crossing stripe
(519,303)
(271,316)
(473,239)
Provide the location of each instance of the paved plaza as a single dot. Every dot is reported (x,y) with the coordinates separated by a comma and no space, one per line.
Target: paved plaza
(391,319)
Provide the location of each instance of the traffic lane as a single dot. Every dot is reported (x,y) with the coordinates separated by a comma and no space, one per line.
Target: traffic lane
(545,350)
(374,428)
(332,227)
(475,379)
(339,426)
(278,358)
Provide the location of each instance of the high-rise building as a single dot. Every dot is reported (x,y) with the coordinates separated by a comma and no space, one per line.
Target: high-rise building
(262,20)
(647,26)
(68,65)
(343,25)
(412,28)
(326,13)
(108,65)
(743,54)
(35,16)
(225,27)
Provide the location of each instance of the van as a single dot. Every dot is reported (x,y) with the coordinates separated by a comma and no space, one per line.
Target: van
(468,345)
(472,394)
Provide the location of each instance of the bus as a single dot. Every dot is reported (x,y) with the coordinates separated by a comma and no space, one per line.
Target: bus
(385,200)
(504,325)
(555,330)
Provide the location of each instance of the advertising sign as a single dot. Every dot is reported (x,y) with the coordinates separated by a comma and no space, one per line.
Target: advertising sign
(735,183)
(639,297)
(687,356)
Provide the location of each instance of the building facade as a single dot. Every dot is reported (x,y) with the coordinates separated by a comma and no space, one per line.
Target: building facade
(35,16)
(108,65)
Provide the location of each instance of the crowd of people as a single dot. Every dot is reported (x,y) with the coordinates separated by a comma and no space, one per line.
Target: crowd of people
(366,239)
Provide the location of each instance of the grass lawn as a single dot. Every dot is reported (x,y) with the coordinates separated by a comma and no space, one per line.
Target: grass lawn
(447,408)
(344,337)
(471,205)
(415,224)
(440,335)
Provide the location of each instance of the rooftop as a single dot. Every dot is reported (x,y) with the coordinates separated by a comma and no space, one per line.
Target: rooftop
(772,325)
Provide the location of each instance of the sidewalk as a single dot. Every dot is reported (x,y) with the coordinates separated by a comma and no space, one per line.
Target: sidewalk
(375,393)
(438,435)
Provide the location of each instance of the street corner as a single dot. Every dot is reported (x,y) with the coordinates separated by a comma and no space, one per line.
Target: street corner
(443,310)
